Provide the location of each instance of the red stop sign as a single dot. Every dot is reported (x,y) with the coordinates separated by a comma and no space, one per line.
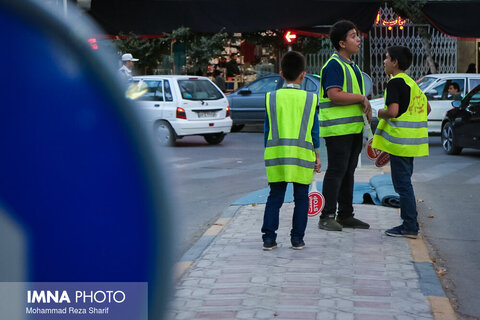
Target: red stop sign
(316,202)
(383,159)
(371,152)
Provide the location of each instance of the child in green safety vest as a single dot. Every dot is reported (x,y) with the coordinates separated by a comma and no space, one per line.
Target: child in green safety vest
(342,105)
(291,149)
(403,132)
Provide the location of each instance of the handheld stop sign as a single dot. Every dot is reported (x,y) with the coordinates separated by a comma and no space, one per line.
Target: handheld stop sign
(382,159)
(370,152)
(316,201)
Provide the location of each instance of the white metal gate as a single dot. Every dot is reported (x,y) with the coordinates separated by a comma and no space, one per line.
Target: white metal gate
(316,61)
(443,48)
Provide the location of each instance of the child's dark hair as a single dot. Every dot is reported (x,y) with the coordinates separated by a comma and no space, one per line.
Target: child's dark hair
(455,86)
(401,54)
(339,31)
(292,65)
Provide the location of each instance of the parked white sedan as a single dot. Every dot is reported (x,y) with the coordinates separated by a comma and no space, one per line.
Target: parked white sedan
(178,106)
(435,87)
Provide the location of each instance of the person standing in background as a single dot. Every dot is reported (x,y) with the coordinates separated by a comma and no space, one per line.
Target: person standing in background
(126,70)
(219,81)
(232,66)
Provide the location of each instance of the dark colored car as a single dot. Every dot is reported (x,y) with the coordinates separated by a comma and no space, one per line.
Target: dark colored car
(247,104)
(461,126)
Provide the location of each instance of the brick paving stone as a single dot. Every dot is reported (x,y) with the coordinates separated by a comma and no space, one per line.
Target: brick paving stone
(372,304)
(223,302)
(373,292)
(182,315)
(193,303)
(372,283)
(344,304)
(326,303)
(228,291)
(353,274)
(296,315)
(246,314)
(325,315)
(264,314)
(216,315)
(298,302)
(344,316)
(374,317)
(301,291)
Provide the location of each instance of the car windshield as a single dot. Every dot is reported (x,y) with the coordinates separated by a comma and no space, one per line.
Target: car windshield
(475,96)
(424,82)
(146,90)
(198,89)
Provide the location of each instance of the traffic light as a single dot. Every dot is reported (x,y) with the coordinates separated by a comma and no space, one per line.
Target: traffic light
(290,37)
(93,43)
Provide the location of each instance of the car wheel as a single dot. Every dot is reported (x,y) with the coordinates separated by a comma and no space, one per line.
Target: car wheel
(237,127)
(164,133)
(448,140)
(214,138)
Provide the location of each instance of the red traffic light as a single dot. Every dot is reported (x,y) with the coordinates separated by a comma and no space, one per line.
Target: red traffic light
(290,36)
(93,43)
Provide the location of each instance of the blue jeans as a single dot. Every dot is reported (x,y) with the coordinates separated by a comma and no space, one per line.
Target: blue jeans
(272,211)
(402,170)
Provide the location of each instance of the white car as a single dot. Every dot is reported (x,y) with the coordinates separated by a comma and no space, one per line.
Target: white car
(178,106)
(435,87)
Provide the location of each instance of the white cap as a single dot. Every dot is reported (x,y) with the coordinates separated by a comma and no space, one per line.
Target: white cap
(128,57)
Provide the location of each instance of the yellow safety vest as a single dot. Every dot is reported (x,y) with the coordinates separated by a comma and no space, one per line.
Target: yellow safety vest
(407,135)
(289,154)
(339,120)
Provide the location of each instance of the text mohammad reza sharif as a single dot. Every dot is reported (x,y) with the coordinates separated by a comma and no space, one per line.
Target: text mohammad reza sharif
(81,297)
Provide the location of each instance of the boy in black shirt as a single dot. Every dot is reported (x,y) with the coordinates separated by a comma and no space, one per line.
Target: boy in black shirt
(403,132)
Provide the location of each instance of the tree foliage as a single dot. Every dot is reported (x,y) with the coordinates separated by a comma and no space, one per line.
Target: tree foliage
(149,51)
(204,48)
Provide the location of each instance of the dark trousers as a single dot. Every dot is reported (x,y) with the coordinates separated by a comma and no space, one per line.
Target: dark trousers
(342,152)
(402,170)
(272,211)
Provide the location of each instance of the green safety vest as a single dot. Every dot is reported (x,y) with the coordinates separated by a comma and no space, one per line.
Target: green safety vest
(407,135)
(289,154)
(339,120)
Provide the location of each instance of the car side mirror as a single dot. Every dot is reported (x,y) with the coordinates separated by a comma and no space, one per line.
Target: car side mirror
(456,103)
(245,92)
(368,84)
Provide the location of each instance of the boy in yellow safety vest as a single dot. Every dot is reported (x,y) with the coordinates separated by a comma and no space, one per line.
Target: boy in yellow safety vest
(403,132)
(291,149)
(342,105)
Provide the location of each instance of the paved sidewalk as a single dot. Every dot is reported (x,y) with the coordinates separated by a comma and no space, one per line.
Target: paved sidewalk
(353,274)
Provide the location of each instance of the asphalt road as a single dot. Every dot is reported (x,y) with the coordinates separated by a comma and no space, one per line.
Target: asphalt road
(207,179)
(449,187)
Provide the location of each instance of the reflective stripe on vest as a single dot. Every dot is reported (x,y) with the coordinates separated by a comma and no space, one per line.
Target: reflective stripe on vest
(338,120)
(291,158)
(300,142)
(406,135)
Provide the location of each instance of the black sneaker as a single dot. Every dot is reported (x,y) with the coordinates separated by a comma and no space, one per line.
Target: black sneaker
(329,224)
(352,222)
(399,231)
(269,245)
(298,245)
